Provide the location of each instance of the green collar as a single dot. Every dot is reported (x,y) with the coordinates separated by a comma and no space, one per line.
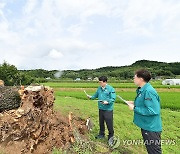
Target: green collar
(104,87)
(144,87)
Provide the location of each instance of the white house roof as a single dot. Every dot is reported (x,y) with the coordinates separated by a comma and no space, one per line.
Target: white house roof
(178,80)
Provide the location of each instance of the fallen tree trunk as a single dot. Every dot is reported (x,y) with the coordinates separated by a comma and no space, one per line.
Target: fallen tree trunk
(9,98)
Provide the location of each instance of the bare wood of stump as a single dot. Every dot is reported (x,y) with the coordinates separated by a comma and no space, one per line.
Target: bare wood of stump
(34,127)
(70,124)
(30,120)
(2,83)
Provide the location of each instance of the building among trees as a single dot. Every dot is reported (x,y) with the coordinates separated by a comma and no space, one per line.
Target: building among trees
(171,82)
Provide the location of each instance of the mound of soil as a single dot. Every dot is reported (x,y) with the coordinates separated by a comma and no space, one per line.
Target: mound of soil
(35,127)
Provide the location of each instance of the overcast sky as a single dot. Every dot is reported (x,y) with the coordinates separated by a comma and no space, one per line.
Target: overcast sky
(76,34)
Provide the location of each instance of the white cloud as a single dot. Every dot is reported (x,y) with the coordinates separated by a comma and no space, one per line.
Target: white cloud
(82,8)
(30,6)
(68,34)
(76,30)
(1,12)
(54,54)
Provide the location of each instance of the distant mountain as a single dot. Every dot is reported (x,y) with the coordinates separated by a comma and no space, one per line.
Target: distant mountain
(11,76)
(122,72)
(127,72)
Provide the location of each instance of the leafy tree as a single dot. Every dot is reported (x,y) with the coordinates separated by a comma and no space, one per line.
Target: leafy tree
(8,73)
(11,76)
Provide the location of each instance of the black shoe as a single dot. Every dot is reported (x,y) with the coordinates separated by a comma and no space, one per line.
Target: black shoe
(99,137)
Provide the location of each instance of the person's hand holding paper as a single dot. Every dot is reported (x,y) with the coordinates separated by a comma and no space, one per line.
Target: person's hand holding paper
(129,103)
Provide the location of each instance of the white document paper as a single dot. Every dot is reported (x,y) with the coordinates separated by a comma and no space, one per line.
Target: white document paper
(101,101)
(87,94)
(122,99)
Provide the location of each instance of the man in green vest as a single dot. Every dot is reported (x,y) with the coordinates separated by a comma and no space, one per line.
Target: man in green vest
(106,97)
(147,114)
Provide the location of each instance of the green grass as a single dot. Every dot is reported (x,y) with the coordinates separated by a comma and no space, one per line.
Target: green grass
(168,99)
(123,125)
(70,97)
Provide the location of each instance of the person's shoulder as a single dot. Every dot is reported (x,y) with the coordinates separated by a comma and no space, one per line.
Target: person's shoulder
(109,87)
(99,88)
(150,89)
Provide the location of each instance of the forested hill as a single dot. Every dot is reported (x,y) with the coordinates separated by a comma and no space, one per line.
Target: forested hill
(126,72)
(12,76)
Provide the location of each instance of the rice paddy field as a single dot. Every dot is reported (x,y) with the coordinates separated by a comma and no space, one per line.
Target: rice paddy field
(70,97)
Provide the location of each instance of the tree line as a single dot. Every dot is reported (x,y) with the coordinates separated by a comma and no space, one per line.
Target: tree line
(12,76)
(158,69)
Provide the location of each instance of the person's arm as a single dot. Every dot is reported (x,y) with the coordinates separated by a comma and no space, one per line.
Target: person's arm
(152,106)
(95,95)
(112,97)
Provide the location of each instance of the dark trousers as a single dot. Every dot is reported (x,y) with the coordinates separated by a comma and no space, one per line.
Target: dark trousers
(152,140)
(106,116)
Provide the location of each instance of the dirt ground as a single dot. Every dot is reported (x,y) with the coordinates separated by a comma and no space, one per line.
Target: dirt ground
(35,127)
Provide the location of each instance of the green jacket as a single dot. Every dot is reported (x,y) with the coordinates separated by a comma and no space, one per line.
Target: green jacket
(147,109)
(105,94)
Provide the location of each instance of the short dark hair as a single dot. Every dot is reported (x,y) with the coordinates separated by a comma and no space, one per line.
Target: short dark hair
(103,78)
(144,74)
